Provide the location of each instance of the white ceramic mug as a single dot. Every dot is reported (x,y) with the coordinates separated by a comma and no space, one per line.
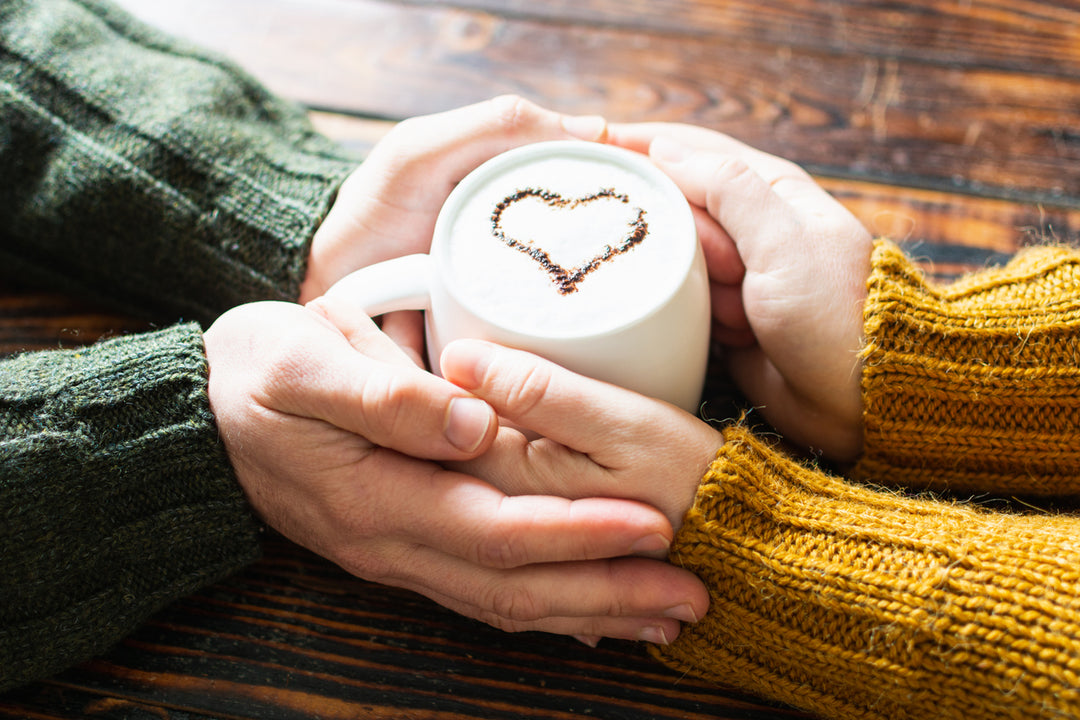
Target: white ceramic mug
(583,253)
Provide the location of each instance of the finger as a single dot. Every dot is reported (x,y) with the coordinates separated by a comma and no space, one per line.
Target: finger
(584,414)
(736,196)
(635,136)
(639,136)
(721,255)
(658,630)
(582,598)
(447,146)
(727,307)
(406,329)
(359,330)
(787,179)
(485,527)
(775,170)
(734,338)
(392,404)
(518,465)
(597,438)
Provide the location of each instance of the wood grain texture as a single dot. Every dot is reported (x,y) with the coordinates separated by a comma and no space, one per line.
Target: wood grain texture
(969,127)
(1020,35)
(950,233)
(295,637)
(45,321)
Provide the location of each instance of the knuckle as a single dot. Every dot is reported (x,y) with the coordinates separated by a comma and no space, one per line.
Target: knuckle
(286,367)
(731,169)
(502,550)
(385,398)
(528,390)
(513,112)
(514,604)
(729,172)
(409,145)
(404,130)
(371,561)
(323,306)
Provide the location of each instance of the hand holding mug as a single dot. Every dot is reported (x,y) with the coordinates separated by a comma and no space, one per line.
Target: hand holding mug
(789,264)
(332,432)
(595,439)
(583,253)
(387,207)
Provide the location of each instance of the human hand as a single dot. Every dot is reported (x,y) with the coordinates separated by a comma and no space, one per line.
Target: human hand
(387,207)
(325,420)
(789,264)
(595,439)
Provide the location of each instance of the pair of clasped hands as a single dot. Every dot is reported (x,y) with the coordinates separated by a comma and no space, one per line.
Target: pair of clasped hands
(346,445)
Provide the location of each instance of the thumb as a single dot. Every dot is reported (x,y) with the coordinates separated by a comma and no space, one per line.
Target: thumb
(289,360)
(758,220)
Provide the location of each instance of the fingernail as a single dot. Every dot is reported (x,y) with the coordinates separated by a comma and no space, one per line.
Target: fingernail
(685,613)
(653,634)
(585,127)
(664,149)
(590,640)
(650,545)
(467,422)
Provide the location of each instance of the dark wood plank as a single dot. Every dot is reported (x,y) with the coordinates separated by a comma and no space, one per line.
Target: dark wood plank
(40,321)
(986,131)
(951,232)
(295,637)
(1028,35)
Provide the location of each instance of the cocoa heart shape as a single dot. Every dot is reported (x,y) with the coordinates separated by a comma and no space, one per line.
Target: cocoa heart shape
(567,279)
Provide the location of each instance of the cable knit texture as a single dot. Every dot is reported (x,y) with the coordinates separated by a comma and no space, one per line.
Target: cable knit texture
(147,172)
(867,605)
(160,177)
(974,387)
(116,495)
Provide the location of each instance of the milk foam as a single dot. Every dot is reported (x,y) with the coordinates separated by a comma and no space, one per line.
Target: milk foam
(567,208)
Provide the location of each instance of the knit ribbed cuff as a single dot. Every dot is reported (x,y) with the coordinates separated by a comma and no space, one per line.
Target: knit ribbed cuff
(853,603)
(974,387)
(116,495)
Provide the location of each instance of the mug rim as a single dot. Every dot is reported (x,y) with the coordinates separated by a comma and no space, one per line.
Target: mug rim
(636,163)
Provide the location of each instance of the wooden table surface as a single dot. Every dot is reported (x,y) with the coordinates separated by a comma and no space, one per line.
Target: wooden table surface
(950,125)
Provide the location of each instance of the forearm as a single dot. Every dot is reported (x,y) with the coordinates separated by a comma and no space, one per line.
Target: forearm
(116,495)
(147,171)
(974,387)
(854,603)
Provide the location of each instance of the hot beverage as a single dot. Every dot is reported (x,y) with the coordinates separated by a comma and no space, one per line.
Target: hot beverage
(565,245)
(582,253)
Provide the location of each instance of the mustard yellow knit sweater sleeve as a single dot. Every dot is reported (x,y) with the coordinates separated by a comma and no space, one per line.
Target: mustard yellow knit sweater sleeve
(855,603)
(974,387)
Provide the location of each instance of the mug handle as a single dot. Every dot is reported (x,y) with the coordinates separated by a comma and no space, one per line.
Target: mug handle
(403,283)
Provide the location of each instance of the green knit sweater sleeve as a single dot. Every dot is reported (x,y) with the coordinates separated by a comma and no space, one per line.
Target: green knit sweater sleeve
(116,495)
(150,173)
(147,171)
(974,387)
(862,604)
